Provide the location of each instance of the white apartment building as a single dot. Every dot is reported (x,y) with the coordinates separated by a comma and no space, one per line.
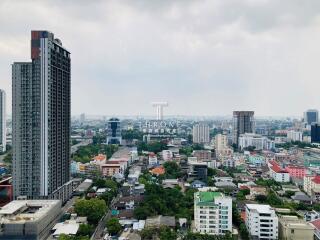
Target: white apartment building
(294,136)
(255,140)
(261,221)
(200,133)
(212,213)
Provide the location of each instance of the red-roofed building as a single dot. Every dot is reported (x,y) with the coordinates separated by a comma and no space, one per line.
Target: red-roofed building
(316,224)
(296,171)
(277,173)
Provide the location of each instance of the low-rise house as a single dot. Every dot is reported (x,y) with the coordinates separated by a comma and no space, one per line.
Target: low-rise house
(158,171)
(198,184)
(292,228)
(301,197)
(84,186)
(129,202)
(223,179)
(229,185)
(170,183)
(158,221)
(139,226)
(255,191)
(99,159)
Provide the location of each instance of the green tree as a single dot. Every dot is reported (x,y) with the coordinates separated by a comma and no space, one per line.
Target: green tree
(172,170)
(85,230)
(93,209)
(113,226)
(166,233)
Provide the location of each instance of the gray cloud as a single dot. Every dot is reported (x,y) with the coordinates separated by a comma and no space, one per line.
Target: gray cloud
(204,57)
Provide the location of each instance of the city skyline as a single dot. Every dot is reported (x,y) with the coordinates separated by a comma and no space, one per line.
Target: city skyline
(259,57)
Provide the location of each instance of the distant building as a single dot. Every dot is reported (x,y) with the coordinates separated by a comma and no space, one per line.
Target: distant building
(221,145)
(294,136)
(261,221)
(293,228)
(202,155)
(212,213)
(82,118)
(255,140)
(2,121)
(29,219)
(315,133)
(243,122)
(201,133)
(114,131)
(311,116)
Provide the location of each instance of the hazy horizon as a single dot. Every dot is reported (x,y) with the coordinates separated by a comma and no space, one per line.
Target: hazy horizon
(206,58)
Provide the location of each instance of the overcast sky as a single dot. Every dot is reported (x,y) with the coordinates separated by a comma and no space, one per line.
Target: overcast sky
(203,57)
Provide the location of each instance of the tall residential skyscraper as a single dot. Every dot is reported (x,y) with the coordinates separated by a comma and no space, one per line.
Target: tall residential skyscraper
(201,133)
(2,121)
(41,118)
(243,122)
(311,116)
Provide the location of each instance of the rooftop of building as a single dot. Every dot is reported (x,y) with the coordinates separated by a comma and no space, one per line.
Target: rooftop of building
(294,222)
(316,179)
(27,210)
(260,208)
(100,157)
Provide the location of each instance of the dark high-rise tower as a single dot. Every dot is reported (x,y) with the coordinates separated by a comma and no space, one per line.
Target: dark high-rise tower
(311,116)
(114,131)
(315,133)
(41,118)
(243,122)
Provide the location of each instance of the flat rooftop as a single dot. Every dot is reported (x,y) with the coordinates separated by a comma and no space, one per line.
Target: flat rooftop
(26,210)
(260,208)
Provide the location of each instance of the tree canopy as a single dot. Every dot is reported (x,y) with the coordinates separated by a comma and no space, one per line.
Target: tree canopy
(113,226)
(93,209)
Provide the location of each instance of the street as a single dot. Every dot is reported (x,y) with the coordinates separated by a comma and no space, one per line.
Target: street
(98,234)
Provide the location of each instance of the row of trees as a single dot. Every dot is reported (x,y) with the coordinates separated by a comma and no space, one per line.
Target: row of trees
(155,147)
(86,153)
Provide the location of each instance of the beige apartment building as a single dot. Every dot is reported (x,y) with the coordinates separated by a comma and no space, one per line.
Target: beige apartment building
(293,228)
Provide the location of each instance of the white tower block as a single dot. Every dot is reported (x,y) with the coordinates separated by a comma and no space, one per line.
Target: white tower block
(159,107)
